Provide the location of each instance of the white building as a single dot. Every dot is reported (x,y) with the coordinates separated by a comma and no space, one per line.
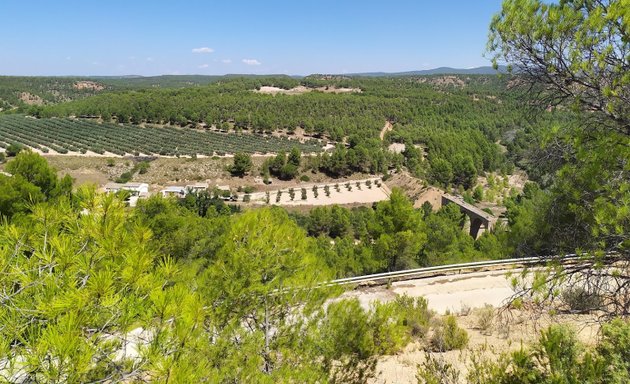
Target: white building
(136,189)
(176,191)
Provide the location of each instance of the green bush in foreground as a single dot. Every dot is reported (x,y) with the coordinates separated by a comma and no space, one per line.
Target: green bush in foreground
(448,335)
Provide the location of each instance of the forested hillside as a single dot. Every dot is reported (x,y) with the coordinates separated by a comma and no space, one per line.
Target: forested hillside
(23,92)
(19,93)
(450,124)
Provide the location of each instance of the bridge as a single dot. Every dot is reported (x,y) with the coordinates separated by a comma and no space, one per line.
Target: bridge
(480,221)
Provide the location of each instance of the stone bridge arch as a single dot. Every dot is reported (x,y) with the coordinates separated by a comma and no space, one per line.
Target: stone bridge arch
(480,221)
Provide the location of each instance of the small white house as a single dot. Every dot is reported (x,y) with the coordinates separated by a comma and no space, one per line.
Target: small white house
(176,191)
(136,189)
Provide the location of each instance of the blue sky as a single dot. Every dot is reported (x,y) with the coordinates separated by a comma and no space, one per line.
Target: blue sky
(112,37)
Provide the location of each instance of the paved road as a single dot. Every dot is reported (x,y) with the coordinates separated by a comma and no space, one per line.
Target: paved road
(445,293)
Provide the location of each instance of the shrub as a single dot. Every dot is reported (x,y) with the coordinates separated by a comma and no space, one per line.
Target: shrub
(485,319)
(303,193)
(125,177)
(327,190)
(242,164)
(581,300)
(305,178)
(315,191)
(111,162)
(13,149)
(468,198)
(415,314)
(291,193)
(278,195)
(142,167)
(246,198)
(389,335)
(248,189)
(447,335)
(288,171)
(478,193)
(436,370)
(614,348)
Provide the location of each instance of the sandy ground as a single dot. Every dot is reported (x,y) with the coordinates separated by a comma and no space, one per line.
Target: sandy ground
(504,336)
(432,195)
(361,194)
(464,295)
(386,128)
(397,147)
(302,89)
(416,189)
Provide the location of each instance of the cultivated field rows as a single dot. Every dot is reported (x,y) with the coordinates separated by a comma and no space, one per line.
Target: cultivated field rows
(66,136)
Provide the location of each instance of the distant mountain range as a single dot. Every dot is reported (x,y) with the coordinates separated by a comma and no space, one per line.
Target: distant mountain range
(486,70)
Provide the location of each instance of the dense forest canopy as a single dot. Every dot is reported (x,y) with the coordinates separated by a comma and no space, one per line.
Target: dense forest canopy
(449,124)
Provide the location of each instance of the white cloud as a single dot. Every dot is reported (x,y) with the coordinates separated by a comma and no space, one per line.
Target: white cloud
(203,66)
(68,58)
(202,50)
(149,59)
(251,62)
(226,61)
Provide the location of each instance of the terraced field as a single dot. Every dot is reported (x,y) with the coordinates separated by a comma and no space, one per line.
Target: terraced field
(71,135)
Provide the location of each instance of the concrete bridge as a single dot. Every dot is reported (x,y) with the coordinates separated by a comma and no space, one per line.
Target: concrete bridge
(480,221)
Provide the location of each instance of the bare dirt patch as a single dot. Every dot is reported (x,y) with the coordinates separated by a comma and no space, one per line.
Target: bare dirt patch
(30,99)
(397,147)
(84,176)
(388,127)
(444,81)
(341,193)
(91,85)
(417,191)
(302,89)
(275,90)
